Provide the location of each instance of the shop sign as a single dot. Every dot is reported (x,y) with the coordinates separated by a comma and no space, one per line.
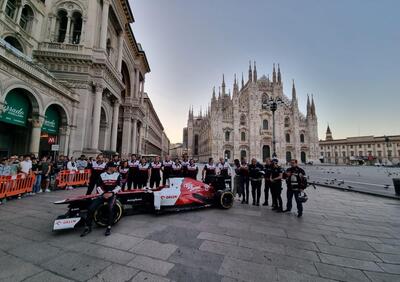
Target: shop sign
(51,121)
(51,140)
(55,147)
(15,109)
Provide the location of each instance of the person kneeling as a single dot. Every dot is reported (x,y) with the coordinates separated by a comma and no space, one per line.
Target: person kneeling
(109,184)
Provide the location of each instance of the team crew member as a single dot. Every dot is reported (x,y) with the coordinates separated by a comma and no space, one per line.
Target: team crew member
(124,171)
(184,164)
(209,171)
(267,176)
(237,189)
(224,169)
(176,168)
(294,182)
(133,164)
(276,186)
(108,185)
(115,160)
(192,170)
(256,173)
(166,169)
(155,177)
(143,173)
(97,168)
(244,180)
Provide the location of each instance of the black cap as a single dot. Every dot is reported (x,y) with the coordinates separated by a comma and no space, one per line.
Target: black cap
(111,164)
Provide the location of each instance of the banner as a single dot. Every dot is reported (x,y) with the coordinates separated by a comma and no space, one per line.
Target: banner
(51,121)
(15,109)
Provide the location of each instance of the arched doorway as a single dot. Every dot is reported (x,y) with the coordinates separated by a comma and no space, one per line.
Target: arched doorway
(243,154)
(55,119)
(14,43)
(227,154)
(15,129)
(303,157)
(266,152)
(288,156)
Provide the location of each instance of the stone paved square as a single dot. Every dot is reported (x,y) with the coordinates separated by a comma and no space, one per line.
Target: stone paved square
(341,237)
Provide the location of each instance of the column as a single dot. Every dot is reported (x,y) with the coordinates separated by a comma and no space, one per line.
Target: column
(96,116)
(140,132)
(54,31)
(66,144)
(137,84)
(114,126)
(134,136)
(104,24)
(3,6)
(83,33)
(67,35)
(34,145)
(120,50)
(126,134)
(51,18)
(19,13)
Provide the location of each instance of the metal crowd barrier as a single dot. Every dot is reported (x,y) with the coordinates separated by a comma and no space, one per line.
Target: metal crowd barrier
(16,185)
(72,178)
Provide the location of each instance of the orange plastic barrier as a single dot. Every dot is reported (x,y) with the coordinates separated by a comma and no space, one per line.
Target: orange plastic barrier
(71,178)
(16,185)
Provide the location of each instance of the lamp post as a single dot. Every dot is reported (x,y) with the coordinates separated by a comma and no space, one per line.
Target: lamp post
(273,103)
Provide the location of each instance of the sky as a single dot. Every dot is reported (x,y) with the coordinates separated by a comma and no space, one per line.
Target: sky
(345,52)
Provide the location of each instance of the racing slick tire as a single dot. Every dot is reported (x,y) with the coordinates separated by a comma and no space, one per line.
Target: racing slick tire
(100,215)
(225,199)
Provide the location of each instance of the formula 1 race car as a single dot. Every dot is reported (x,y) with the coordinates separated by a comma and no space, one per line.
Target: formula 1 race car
(180,194)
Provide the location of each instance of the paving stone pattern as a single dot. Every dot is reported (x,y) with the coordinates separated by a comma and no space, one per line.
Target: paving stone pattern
(342,236)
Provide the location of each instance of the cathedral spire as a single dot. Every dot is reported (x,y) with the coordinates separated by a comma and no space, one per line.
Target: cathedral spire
(219,92)
(213,93)
(242,80)
(279,75)
(308,106)
(250,72)
(294,97)
(273,75)
(255,72)
(223,84)
(312,106)
(328,134)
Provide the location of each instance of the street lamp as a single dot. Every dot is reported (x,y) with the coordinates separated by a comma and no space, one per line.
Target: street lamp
(273,103)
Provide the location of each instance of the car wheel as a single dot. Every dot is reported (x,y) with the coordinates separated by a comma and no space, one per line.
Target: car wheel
(101,214)
(225,199)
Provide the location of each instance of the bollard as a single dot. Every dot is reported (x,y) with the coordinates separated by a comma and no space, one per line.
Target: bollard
(396,184)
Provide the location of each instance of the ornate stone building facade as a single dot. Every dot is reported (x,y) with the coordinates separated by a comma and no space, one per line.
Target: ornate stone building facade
(71,72)
(240,125)
(360,149)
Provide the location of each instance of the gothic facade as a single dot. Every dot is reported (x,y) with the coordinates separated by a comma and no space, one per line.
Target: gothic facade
(72,71)
(241,124)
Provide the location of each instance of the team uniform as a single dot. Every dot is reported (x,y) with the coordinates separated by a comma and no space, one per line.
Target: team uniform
(256,173)
(244,181)
(155,174)
(133,174)
(184,165)
(97,168)
(294,185)
(211,170)
(106,183)
(143,175)
(276,189)
(224,169)
(123,171)
(192,171)
(267,170)
(167,170)
(176,170)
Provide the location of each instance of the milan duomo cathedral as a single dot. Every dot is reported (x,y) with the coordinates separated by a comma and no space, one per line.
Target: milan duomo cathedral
(240,125)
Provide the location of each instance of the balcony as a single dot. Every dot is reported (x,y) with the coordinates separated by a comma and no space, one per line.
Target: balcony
(55,46)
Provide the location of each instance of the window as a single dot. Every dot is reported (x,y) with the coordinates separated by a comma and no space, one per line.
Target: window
(329,147)
(343,154)
(343,147)
(360,146)
(322,154)
(379,145)
(335,147)
(369,145)
(329,154)
(227,135)
(227,154)
(62,22)
(242,120)
(287,137)
(360,153)
(243,154)
(301,138)
(266,151)
(243,136)
(351,146)
(379,154)
(196,144)
(288,156)
(265,124)
(26,18)
(76,26)
(14,43)
(287,121)
(336,154)
(389,152)
(11,7)
(264,101)
(109,47)
(352,153)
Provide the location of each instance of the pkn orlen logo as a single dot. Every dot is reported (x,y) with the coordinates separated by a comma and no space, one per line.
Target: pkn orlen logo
(19,113)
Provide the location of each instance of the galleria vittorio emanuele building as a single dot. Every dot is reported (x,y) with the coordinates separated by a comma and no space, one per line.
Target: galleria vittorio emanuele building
(73,74)
(240,125)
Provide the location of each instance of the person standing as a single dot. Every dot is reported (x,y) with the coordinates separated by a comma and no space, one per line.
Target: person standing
(184,164)
(46,169)
(155,174)
(166,169)
(176,169)
(123,170)
(294,183)
(37,170)
(256,173)
(276,186)
(133,164)
(209,171)
(237,189)
(97,168)
(143,173)
(244,180)
(192,169)
(267,180)
(108,185)
(82,163)
(26,165)
(71,166)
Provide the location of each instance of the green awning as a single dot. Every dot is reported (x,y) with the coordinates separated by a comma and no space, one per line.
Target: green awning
(16,109)
(51,121)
